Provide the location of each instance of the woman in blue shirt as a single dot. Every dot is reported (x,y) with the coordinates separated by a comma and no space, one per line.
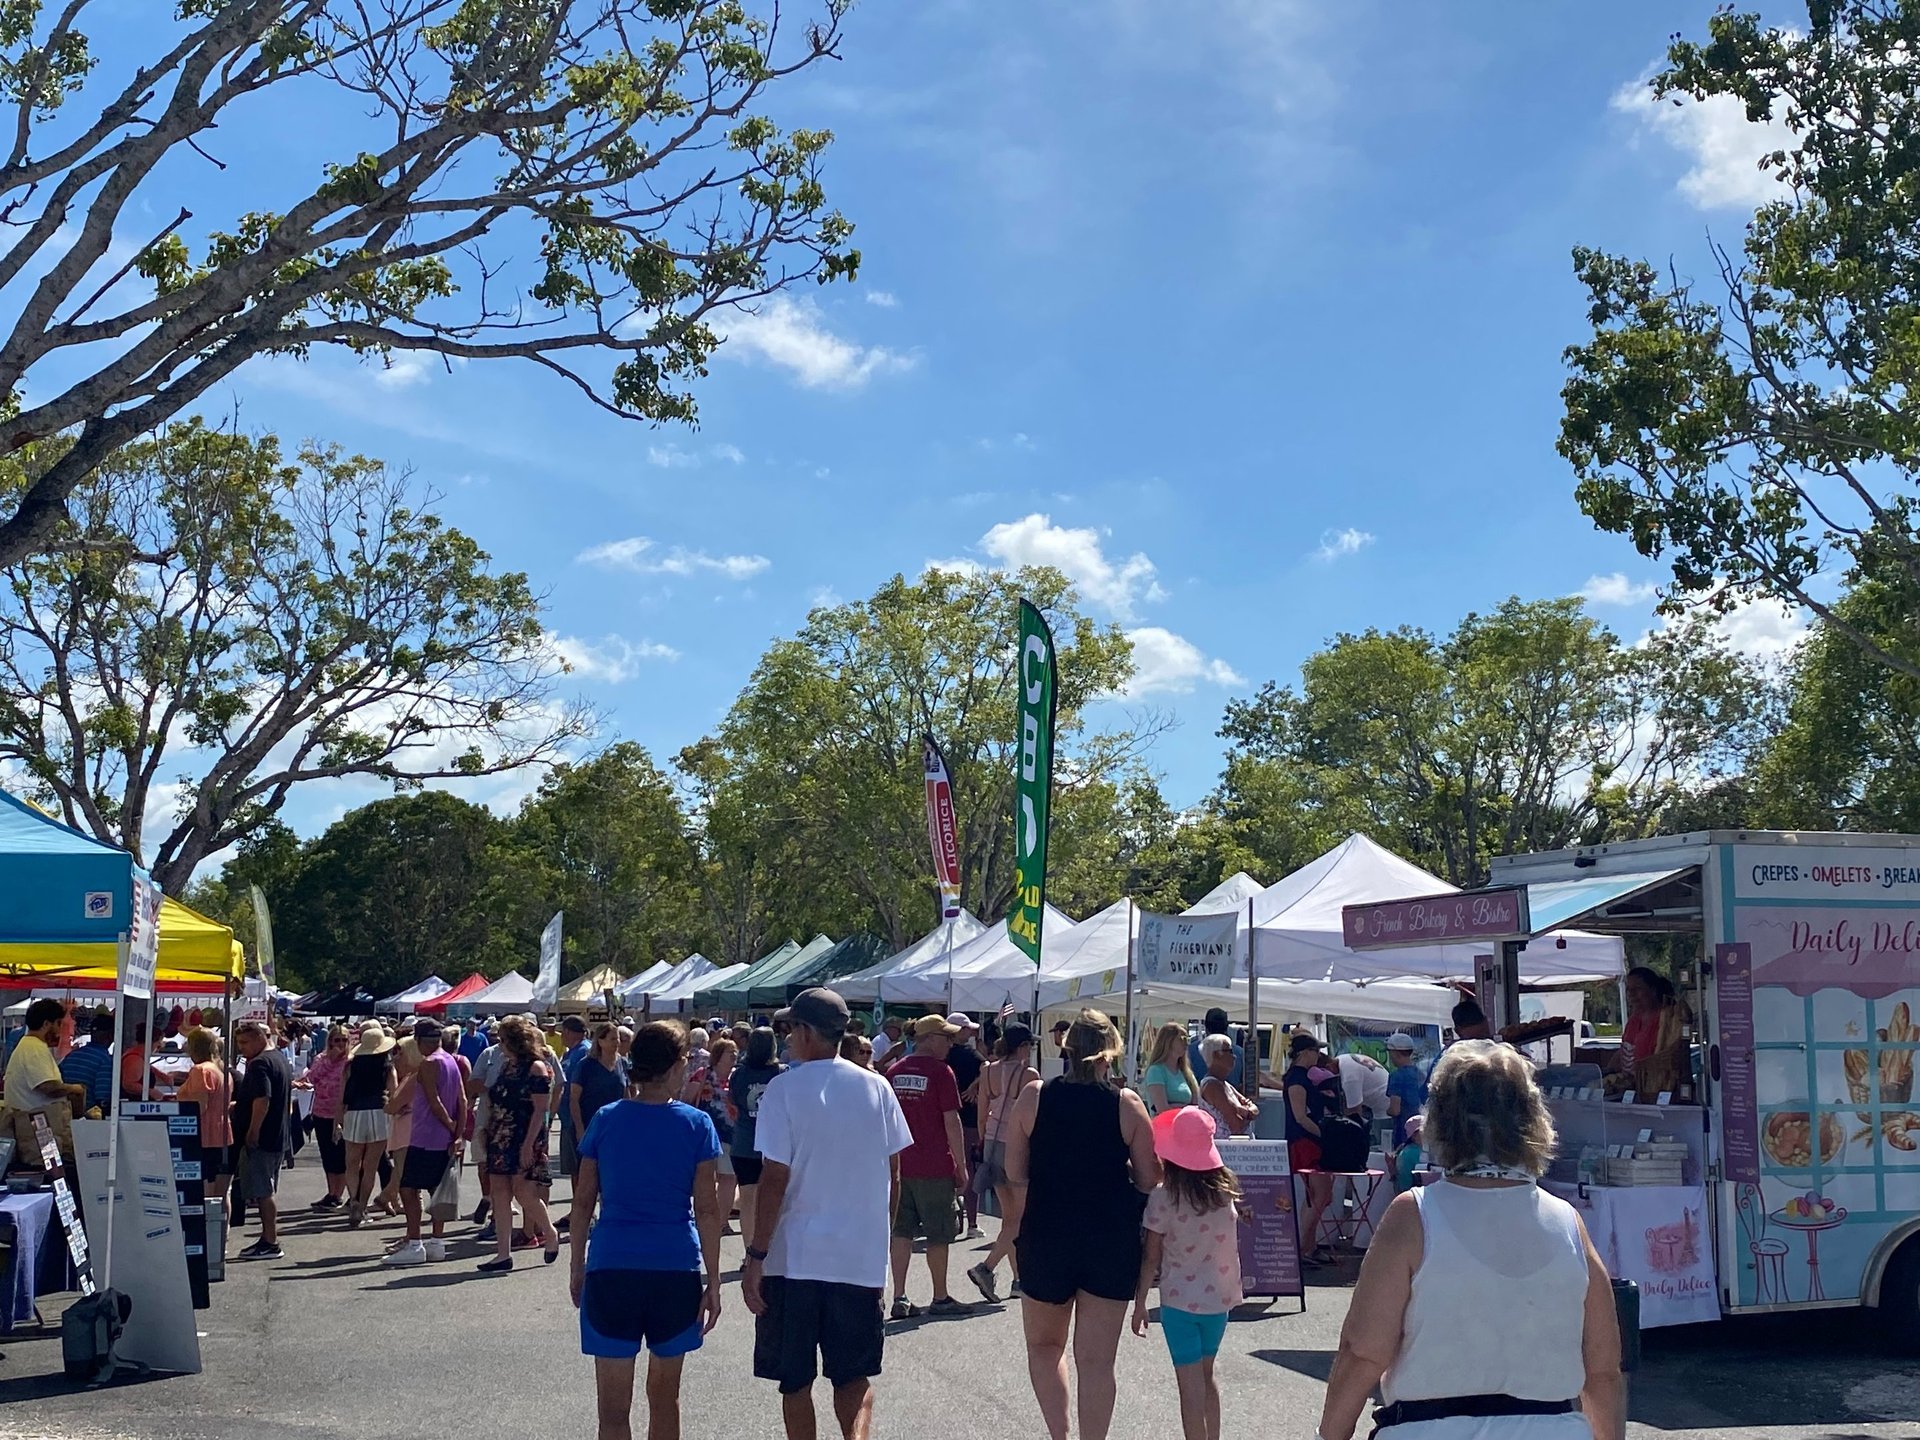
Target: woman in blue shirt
(650,1165)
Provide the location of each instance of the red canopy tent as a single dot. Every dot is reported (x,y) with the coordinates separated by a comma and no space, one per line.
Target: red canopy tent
(472,985)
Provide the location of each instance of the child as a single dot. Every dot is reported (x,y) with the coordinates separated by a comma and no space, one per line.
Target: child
(1192,1248)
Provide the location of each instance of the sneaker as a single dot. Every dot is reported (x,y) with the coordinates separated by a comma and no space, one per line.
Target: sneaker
(411,1253)
(524,1241)
(902,1309)
(356,1216)
(261,1250)
(1014,1292)
(485,1237)
(983,1281)
(946,1305)
(974,1232)
(436,1251)
(327,1202)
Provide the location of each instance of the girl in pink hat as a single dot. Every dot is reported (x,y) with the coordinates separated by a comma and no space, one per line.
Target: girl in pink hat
(1192,1248)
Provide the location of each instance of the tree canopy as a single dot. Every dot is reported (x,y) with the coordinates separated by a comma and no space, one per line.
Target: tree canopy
(1761,433)
(220,624)
(624,143)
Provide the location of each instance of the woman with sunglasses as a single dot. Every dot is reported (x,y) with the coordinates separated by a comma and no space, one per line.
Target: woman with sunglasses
(326,1077)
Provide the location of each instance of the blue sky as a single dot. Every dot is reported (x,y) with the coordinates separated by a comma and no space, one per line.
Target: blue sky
(1247,314)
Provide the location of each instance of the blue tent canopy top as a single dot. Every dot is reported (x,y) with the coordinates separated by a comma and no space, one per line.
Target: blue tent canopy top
(57,885)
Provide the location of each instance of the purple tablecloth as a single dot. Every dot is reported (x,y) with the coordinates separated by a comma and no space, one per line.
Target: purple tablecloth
(31,1216)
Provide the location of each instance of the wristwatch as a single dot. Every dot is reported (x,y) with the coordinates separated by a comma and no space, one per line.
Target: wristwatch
(753,1254)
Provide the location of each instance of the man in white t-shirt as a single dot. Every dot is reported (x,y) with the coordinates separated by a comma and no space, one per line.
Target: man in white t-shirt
(1363,1084)
(830,1135)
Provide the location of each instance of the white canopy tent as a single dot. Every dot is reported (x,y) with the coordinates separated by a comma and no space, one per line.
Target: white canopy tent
(1284,1002)
(1298,930)
(987,971)
(508,995)
(403,1003)
(652,975)
(651,985)
(898,975)
(675,998)
(1231,893)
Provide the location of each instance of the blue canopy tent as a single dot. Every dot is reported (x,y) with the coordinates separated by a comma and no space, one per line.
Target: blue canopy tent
(58,886)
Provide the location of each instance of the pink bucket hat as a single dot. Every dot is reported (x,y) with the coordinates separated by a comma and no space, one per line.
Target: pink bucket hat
(1184,1137)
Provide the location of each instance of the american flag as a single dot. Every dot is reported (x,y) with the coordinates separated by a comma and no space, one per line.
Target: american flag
(1006,1010)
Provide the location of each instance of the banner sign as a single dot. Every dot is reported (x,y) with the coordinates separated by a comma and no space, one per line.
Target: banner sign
(263,937)
(942,832)
(1270,1240)
(1438,919)
(546,989)
(143,939)
(1033,780)
(1188,949)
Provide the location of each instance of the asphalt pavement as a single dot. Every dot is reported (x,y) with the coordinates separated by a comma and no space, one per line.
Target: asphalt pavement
(328,1342)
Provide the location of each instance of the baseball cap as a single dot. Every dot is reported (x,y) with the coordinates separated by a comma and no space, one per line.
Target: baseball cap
(1402,1042)
(1301,1043)
(427,1026)
(963,1020)
(928,1025)
(819,1009)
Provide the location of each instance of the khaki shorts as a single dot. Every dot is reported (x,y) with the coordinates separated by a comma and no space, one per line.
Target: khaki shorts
(927,1211)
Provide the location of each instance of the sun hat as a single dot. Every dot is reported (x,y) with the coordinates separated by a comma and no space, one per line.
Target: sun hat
(374,1039)
(1184,1137)
(1401,1043)
(930,1025)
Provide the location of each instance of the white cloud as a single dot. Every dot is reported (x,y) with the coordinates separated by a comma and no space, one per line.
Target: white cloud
(1716,136)
(612,658)
(885,299)
(1113,584)
(644,556)
(671,457)
(1338,544)
(732,454)
(1616,589)
(401,372)
(1166,663)
(1765,629)
(793,335)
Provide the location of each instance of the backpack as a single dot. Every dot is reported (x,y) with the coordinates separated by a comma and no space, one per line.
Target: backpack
(88,1331)
(1343,1144)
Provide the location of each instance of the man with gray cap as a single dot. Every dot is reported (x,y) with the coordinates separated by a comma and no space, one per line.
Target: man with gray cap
(830,1134)
(1406,1085)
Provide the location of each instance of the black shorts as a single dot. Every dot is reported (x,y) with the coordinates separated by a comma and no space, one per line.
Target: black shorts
(746,1169)
(621,1310)
(1054,1271)
(214,1162)
(809,1320)
(423,1169)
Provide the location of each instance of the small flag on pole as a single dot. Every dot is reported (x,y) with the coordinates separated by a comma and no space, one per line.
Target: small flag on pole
(1006,1009)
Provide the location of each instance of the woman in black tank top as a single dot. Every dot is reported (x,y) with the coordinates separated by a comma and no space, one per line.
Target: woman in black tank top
(1081,1150)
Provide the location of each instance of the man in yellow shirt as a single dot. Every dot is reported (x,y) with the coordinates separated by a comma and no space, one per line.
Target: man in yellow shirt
(33,1080)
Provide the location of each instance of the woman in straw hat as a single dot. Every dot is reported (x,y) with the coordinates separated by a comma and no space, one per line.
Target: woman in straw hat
(364,1123)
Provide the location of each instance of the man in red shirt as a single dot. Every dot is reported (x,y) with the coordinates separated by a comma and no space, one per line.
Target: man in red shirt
(933,1170)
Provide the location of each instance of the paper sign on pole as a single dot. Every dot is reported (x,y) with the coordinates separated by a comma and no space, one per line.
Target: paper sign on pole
(143,940)
(1189,949)
(148,1245)
(546,989)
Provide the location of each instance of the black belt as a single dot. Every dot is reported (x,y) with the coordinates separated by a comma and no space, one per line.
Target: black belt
(1406,1412)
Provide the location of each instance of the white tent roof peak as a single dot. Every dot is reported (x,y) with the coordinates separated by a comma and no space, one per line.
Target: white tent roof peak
(1231,893)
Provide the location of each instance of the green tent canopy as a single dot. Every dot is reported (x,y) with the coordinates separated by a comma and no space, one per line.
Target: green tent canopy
(732,994)
(853,954)
(768,988)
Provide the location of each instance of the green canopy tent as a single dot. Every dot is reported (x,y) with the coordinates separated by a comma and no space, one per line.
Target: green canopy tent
(855,953)
(768,988)
(732,993)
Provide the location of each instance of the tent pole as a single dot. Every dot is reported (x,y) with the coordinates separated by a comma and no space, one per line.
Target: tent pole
(113,1113)
(1133,1047)
(153,1043)
(951,1007)
(1250,1074)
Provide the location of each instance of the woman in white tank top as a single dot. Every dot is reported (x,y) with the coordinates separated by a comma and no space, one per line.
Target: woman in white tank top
(1483,1311)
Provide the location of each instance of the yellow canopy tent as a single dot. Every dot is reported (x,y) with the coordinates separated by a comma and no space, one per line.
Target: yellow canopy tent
(589,992)
(196,955)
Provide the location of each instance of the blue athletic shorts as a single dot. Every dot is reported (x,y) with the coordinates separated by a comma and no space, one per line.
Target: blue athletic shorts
(1192,1338)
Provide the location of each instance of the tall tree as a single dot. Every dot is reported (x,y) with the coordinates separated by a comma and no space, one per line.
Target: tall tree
(610,841)
(1531,728)
(407,887)
(831,725)
(623,142)
(1764,436)
(219,626)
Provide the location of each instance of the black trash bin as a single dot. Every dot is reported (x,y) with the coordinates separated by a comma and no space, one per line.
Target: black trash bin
(1626,1309)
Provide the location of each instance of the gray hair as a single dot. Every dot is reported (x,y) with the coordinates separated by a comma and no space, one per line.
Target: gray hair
(1212,1045)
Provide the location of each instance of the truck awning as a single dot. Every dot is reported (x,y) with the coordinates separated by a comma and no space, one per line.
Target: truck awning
(1556,904)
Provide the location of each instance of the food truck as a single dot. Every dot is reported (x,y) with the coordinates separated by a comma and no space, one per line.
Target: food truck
(1793,1180)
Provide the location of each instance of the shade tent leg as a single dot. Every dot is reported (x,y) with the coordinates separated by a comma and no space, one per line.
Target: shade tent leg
(1133,1047)
(1250,1075)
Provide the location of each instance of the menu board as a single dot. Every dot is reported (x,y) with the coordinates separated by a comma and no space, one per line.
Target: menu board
(1270,1239)
(189,1182)
(1733,989)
